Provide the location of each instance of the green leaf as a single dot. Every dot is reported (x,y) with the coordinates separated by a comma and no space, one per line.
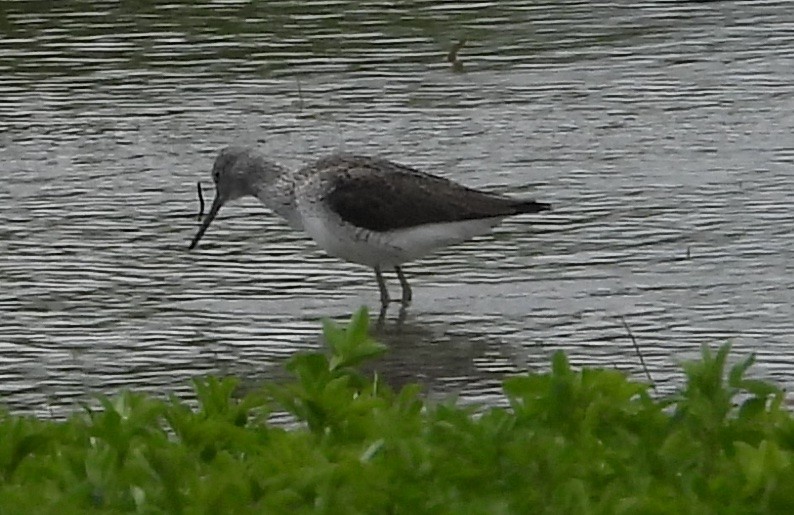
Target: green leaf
(352,346)
(560,365)
(737,371)
(335,337)
(759,388)
(357,329)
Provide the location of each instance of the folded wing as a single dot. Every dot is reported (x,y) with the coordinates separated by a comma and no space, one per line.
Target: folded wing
(380,195)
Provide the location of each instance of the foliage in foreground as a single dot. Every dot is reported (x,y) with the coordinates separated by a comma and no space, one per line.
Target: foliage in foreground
(571,442)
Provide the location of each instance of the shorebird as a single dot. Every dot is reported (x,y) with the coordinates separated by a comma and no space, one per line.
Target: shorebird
(365,210)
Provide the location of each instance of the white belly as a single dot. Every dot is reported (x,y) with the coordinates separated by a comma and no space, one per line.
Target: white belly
(389,248)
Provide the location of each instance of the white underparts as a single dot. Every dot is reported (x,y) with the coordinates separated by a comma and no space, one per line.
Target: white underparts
(389,248)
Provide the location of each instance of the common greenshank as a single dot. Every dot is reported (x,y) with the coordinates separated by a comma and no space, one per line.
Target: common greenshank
(365,210)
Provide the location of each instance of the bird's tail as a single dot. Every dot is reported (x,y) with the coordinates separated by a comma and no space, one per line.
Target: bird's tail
(531,206)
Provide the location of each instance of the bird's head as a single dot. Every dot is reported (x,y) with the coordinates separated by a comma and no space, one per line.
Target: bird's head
(237,172)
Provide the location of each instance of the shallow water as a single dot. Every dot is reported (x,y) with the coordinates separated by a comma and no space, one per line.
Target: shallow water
(662,134)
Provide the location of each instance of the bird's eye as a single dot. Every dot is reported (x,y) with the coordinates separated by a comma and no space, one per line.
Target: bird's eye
(215,176)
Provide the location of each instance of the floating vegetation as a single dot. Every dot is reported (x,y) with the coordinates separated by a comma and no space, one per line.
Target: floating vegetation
(452,56)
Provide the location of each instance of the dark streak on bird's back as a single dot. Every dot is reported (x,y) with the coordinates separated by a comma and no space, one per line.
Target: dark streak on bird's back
(380,195)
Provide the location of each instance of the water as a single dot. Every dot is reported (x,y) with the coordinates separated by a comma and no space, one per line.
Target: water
(661,132)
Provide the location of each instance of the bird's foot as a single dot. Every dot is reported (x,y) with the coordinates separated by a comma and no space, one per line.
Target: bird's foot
(401,314)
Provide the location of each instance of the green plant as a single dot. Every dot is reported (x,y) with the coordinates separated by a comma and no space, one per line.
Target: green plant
(571,441)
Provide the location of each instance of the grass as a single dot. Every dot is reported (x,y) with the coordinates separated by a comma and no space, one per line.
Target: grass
(589,441)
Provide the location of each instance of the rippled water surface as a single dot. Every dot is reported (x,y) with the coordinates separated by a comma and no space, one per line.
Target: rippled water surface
(663,133)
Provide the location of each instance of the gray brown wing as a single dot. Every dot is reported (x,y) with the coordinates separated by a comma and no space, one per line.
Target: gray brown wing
(380,195)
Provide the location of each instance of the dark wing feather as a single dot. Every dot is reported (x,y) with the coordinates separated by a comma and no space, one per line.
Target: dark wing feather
(380,195)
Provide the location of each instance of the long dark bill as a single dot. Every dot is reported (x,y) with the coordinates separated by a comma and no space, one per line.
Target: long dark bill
(216,206)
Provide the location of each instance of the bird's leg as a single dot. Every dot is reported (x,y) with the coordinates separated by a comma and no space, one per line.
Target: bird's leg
(384,293)
(381,317)
(405,286)
(401,315)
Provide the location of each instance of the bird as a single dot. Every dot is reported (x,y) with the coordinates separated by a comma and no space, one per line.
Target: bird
(363,209)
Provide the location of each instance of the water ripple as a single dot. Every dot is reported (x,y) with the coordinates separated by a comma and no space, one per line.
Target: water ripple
(659,131)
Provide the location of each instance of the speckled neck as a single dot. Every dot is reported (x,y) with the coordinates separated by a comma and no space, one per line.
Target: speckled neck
(276,190)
